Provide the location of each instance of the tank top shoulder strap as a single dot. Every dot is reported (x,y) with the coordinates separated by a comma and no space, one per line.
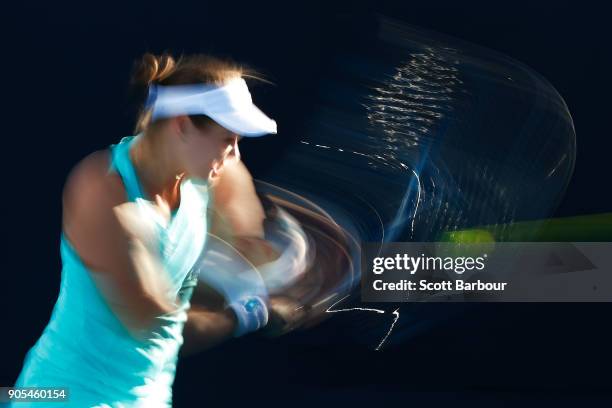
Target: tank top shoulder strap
(122,164)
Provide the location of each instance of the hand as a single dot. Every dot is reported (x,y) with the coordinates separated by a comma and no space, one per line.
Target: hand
(285,314)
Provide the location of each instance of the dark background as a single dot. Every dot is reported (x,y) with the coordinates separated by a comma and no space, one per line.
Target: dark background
(67,70)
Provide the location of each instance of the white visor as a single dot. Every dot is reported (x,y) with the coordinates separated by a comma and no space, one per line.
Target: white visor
(230,105)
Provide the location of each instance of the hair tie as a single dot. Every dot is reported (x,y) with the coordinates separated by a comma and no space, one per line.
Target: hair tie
(151,96)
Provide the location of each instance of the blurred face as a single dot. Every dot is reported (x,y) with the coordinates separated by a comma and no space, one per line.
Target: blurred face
(205,151)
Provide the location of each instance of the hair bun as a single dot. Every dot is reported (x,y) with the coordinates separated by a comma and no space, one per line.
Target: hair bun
(152,68)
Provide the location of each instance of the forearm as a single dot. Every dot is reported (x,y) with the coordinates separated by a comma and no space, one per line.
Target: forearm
(257,250)
(249,242)
(206,328)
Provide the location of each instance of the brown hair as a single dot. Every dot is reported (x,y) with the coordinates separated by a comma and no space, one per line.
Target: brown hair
(192,69)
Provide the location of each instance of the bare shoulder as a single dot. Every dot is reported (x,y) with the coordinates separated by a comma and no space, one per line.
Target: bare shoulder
(235,181)
(90,181)
(237,209)
(91,194)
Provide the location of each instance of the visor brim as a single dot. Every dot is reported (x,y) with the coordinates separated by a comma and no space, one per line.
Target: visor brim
(249,121)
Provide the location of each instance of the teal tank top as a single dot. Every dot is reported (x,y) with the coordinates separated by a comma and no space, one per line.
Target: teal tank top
(86,348)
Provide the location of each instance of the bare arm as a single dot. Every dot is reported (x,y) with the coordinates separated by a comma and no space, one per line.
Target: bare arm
(127,280)
(206,328)
(237,218)
(238,215)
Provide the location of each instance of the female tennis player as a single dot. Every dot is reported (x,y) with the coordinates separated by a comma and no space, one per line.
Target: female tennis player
(135,223)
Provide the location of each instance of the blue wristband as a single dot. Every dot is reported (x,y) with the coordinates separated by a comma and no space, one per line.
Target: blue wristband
(251,314)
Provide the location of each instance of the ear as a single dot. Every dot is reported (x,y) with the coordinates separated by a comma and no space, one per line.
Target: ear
(181,126)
